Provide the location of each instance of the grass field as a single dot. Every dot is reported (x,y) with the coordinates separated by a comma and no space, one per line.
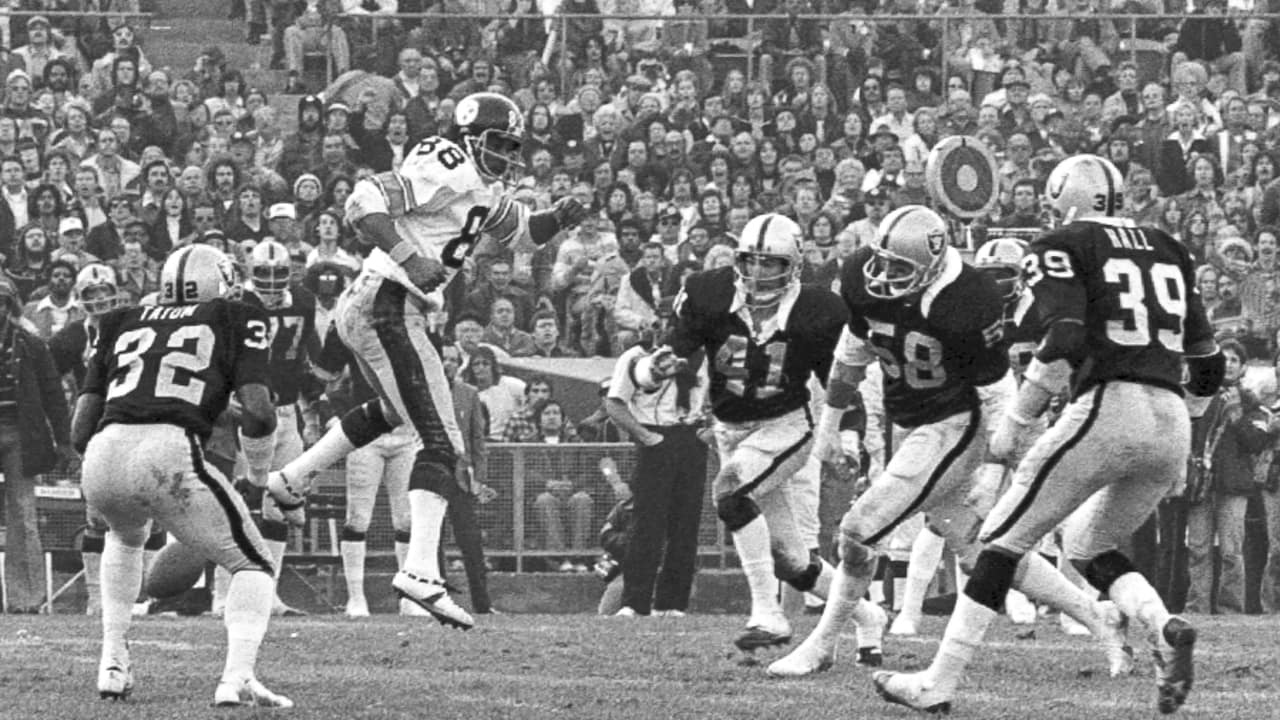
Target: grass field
(574,666)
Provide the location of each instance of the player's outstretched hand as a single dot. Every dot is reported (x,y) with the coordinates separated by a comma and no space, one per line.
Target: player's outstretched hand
(569,212)
(425,273)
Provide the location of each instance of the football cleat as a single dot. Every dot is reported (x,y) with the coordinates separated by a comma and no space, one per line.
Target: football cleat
(1114,640)
(282,609)
(907,689)
(433,596)
(757,634)
(1071,626)
(871,656)
(115,681)
(247,692)
(805,660)
(626,612)
(1175,669)
(669,613)
(409,608)
(290,499)
(357,608)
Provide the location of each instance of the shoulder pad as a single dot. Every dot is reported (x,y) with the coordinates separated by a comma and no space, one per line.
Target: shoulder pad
(708,292)
(969,304)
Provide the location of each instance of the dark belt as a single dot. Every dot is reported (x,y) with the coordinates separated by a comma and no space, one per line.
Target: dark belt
(671,428)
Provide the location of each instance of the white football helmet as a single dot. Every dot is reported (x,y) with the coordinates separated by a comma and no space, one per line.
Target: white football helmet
(1001,259)
(195,274)
(270,268)
(1085,186)
(768,259)
(910,252)
(98,290)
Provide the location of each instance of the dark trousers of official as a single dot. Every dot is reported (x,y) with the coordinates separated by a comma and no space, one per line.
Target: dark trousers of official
(668,487)
(466,533)
(23,557)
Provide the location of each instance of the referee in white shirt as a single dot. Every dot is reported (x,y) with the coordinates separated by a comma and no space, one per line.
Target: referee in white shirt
(668,486)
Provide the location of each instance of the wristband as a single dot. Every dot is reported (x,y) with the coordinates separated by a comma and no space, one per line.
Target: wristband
(402,251)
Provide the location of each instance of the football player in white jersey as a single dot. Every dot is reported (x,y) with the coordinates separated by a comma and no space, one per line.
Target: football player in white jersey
(424,221)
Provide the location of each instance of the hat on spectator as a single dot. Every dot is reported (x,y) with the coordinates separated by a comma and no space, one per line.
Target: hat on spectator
(17,73)
(1041,99)
(305,177)
(1271,66)
(38,20)
(876,194)
(670,212)
(1016,82)
(310,101)
(992,138)
(1229,245)
(281,211)
(337,105)
(240,136)
(70,224)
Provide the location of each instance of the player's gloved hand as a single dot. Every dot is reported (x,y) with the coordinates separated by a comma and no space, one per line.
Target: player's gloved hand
(986,488)
(291,499)
(1004,440)
(568,212)
(425,273)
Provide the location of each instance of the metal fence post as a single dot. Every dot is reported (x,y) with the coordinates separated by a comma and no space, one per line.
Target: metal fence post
(517,505)
(944,47)
(564,53)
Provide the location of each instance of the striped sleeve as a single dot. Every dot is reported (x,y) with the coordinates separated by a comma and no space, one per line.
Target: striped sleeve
(508,221)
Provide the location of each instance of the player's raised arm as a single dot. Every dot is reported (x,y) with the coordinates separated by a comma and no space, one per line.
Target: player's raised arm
(88,411)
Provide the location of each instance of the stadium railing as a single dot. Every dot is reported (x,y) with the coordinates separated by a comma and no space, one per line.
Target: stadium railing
(1151,56)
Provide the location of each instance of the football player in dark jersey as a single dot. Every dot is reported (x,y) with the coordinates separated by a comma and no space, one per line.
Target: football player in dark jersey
(764,335)
(290,320)
(935,326)
(1120,313)
(158,380)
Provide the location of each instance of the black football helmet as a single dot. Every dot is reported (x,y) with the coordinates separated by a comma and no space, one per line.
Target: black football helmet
(490,129)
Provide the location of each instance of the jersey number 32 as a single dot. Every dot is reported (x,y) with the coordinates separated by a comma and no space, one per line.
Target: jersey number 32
(190,350)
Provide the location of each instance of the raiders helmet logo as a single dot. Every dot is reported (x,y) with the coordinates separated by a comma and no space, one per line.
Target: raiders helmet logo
(1055,190)
(937,242)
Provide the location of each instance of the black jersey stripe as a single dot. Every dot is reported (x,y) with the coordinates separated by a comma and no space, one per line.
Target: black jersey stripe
(970,432)
(235,519)
(1049,464)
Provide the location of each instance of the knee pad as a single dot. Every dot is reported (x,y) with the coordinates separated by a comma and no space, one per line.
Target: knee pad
(992,576)
(365,423)
(1103,570)
(736,511)
(791,565)
(857,558)
(156,540)
(350,534)
(275,530)
(402,536)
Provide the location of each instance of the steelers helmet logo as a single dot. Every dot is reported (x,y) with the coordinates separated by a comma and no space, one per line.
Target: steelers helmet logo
(466,112)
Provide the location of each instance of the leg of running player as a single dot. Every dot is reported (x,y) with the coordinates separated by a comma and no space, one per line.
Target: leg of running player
(275,531)
(401,447)
(395,352)
(926,553)
(930,466)
(364,471)
(156,538)
(755,460)
(1065,467)
(803,493)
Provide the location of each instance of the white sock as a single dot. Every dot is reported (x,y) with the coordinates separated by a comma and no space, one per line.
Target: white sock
(756,556)
(402,551)
(1137,599)
(426,517)
(221,583)
(822,587)
(332,447)
(843,600)
(926,553)
(246,616)
(1042,582)
(353,555)
(967,627)
(121,582)
(869,621)
(92,579)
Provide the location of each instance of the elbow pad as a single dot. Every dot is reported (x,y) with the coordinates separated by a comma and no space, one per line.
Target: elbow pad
(543,226)
(1205,374)
(1065,340)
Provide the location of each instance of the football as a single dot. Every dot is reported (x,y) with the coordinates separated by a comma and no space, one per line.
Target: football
(175,570)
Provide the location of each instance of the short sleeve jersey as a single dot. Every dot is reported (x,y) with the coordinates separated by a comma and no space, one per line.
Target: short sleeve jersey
(932,361)
(293,345)
(750,379)
(1132,288)
(177,364)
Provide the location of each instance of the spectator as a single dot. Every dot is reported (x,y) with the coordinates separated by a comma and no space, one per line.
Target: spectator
(502,333)
(301,150)
(28,267)
(324,238)
(115,172)
(546,336)
(498,285)
(245,221)
(71,242)
(54,306)
(1177,151)
(137,274)
(502,394)
(310,33)
(470,488)
(562,495)
(1227,438)
(1208,36)
(1025,212)
(521,426)
(34,439)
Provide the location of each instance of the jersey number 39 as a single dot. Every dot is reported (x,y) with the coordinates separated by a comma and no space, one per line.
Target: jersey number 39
(1169,310)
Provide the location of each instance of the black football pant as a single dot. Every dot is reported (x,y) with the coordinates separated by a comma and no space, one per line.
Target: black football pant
(668,489)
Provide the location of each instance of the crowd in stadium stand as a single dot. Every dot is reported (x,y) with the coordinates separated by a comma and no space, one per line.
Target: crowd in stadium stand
(676,128)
